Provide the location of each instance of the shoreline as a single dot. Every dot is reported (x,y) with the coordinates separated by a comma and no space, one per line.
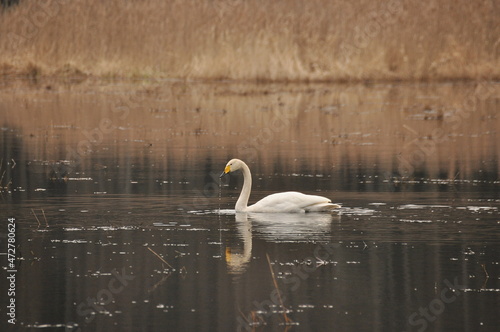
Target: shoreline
(35,73)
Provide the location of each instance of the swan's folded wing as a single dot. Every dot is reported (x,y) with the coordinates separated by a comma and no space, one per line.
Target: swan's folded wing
(292,201)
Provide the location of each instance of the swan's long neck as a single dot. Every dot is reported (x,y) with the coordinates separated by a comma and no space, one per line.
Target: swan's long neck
(242,203)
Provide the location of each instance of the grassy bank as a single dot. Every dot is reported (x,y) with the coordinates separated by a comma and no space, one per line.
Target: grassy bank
(253,39)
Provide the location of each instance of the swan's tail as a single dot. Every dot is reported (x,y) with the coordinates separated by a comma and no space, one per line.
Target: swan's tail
(322,207)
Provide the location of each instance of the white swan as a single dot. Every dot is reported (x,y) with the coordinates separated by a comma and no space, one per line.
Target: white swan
(290,201)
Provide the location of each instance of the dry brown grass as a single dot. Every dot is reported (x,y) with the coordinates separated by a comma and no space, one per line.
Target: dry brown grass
(253,39)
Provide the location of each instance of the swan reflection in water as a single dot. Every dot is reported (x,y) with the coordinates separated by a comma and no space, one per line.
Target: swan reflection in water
(276,227)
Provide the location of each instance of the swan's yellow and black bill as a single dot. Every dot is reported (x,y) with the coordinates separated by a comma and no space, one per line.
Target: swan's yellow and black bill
(226,170)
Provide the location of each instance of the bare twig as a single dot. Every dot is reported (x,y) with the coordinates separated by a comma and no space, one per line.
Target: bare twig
(485,272)
(1,178)
(487,276)
(164,261)
(243,315)
(46,223)
(257,319)
(285,316)
(159,282)
(38,220)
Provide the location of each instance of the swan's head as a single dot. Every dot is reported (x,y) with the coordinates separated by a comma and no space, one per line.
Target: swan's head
(232,165)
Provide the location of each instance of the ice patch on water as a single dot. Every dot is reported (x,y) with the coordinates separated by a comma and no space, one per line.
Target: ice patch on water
(80,179)
(306,306)
(422,206)
(72,229)
(356,211)
(216,211)
(479,208)
(466,290)
(225,211)
(411,206)
(69,326)
(416,221)
(97,228)
(116,228)
(160,224)
(69,241)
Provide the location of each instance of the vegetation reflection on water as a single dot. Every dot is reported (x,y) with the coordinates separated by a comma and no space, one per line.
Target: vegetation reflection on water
(141,233)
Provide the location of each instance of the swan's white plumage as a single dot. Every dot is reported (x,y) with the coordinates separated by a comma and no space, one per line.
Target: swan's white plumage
(290,201)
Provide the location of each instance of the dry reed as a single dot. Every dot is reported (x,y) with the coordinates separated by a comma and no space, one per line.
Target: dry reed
(487,276)
(36,217)
(1,177)
(161,258)
(4,171)
(275,283)
(282,40)
(485,272)
(44,217)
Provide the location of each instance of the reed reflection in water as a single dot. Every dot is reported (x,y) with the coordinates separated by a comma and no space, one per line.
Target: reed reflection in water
(355,137)
(122,168)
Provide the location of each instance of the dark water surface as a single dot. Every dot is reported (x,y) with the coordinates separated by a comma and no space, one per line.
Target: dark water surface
(141,233)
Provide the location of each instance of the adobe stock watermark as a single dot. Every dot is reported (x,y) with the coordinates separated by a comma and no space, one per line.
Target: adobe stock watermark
(96,136)
(294,277)
(373,26)
(421,149)
(224,6)
(31,24)
(429,314)
(203,198)
(248,150)
(88,309)
(11,270)
(93,138)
